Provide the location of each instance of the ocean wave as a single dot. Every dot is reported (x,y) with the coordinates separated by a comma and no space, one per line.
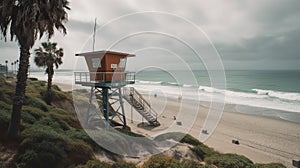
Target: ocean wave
(158,83)
(229,92)
(171,84)
(210,89)
(187,86)
(163,83)
(149,82)
(278,94)
(244,94)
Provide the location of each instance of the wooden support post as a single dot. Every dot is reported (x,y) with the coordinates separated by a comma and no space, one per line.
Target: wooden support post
(122,107)
(105,102)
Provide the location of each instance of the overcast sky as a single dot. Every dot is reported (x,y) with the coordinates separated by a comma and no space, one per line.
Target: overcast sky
(248,34)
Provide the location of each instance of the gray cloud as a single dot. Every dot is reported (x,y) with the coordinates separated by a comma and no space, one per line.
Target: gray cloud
(247,34)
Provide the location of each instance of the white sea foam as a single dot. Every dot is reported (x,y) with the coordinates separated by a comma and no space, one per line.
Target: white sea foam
(149,82)
(208,89)
(277,94)
(187,86)
(244,95)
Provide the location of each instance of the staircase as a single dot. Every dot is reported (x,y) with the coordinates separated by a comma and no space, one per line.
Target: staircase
(134,98)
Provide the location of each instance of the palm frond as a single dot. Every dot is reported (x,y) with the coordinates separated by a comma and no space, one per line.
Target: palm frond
(29,19)
(48,56)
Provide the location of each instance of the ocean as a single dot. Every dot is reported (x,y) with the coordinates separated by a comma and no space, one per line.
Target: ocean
(270,93)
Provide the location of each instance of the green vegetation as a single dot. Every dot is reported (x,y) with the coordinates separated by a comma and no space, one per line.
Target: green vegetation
(98,164)
(229,161)
(203,151)
(4,117)
(24,22)
(47,133)
(159,161)
(53,137)
(270,165)
(35,102)
(179,137)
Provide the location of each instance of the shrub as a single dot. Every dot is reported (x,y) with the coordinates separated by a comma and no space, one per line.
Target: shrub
(59,111)
(190,140)
(60,115)
(270,165)
(4,120)
(29,159)
(34,88)
(159,161)
(56,94)
(6,92)
(179,137)
(27,118)
(55,87)
(83,136)
(50,148)
(44,145)
(123,165)
(35,112)
(4,106)
(203,151)
(6,97)
(229,161)
(191,164)
(2,79)
(44,154)
(95,164)
(36,102)
(78,152)
(55,124)
(4,116)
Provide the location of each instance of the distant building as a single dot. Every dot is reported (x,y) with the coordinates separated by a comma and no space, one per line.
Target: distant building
(3,69)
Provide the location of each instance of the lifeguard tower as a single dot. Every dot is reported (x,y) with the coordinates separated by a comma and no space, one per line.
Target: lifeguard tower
(107,78)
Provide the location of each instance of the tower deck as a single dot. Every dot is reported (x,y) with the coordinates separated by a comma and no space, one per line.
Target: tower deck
(104,79)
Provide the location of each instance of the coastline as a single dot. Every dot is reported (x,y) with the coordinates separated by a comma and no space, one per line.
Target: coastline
(262,138)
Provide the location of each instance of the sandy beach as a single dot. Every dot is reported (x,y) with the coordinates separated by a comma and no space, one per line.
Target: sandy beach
(262,139)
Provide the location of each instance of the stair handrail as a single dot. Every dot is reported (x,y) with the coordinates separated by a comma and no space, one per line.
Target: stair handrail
(139,98)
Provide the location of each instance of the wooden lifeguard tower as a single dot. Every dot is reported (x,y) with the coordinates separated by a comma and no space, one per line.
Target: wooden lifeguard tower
(107,78)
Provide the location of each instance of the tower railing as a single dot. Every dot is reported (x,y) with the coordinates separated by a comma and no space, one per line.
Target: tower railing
(104,77)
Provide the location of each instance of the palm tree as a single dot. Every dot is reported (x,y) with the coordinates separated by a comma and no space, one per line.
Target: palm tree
(26,20)
(12,68)
(48,56)
(6,70)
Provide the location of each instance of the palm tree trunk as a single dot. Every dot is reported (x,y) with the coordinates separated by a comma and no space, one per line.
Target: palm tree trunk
(49,86)
(14,126)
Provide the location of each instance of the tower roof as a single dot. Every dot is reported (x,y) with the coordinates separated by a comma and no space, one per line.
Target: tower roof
(103,52)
